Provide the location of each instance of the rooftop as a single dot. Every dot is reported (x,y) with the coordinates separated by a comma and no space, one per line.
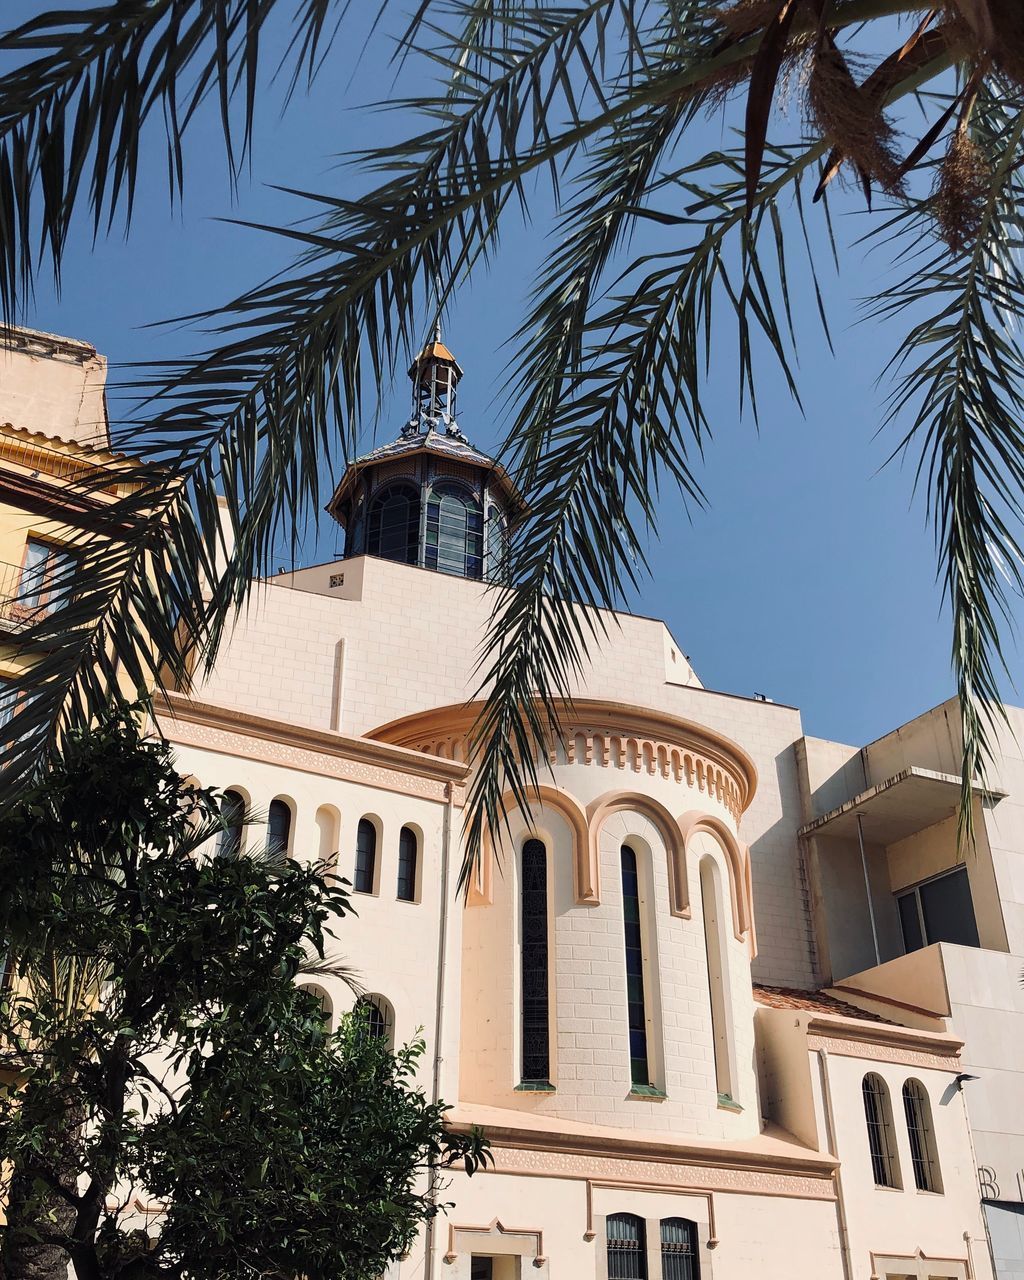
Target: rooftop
(812,1002)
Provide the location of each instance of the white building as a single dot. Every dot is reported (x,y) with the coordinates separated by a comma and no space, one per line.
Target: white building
(707,1035)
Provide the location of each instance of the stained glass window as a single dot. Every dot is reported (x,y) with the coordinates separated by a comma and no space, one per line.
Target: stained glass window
(534,897)
(679,1257)
(394,531)
(454,532)
(637,1011)
(366,856)
(407,865)
(881,1140)
(627,1247)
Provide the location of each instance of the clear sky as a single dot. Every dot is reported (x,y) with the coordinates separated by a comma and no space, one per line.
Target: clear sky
(810,578)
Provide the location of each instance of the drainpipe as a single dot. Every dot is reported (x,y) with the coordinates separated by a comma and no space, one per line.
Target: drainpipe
(867,888)
(830,1135)
(442,956)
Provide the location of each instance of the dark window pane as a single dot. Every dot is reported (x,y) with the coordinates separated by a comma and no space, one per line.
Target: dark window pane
(534,959)
(636,1011)
(394,531)
(407,865)
(375,1012)
(918,1113)
(881,1141)
(948,910)
(627,1247)
(279,827)
(366,856)
(679,1256)
(229,841)
(910,921)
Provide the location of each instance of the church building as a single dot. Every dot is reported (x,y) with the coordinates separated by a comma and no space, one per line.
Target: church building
(728,1002)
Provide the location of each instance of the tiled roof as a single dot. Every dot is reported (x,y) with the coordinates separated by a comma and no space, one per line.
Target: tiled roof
(450,446)
(812,1002)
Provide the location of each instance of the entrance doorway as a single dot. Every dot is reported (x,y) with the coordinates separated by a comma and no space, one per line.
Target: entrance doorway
(494,1268)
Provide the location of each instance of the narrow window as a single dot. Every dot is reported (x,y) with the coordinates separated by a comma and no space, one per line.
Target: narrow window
(627,1247)
(366,856)
(718,976)
(881,1140)
(229,838)
(8,700)
(679,1258)
(454,532)
(47,577)
(394,531)
(497,545)
(323,1000)
(377,1017)
(923,1154)
(279,827)
(328,820)
(534,957)
(407,865)
(639,1065)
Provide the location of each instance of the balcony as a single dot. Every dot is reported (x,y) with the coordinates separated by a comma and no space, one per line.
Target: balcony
(27,595)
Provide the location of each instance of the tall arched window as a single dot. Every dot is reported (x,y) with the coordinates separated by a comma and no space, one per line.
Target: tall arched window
(534,961)
(229,839)
(323,999)
(455,532)
(407,851)
(378,1016)
(627,1247)
(366,856)
(921,1132)
(679,1256)
(639,1061)
(718,975)
(394,525)
(881,1140)
(497,545)
(279,827)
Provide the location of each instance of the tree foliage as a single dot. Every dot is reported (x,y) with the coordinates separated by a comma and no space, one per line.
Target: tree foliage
(172,1103)
(917,102)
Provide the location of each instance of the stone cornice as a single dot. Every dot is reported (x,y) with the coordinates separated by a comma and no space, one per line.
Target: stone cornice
(884,1042)
(606,733)
(319,751)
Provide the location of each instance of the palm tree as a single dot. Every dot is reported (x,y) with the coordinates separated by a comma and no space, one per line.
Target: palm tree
(604,99)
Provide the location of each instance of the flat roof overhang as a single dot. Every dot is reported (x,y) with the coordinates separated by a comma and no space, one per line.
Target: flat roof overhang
(902,805)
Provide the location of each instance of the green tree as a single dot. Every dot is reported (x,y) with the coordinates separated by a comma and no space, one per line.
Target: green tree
(156,1049)
(604,99)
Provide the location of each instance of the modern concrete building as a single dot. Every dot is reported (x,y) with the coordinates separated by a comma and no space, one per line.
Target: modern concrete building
(718,1000)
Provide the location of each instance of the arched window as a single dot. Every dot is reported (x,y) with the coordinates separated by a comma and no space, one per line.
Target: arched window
(718,975)
(497,545)
(229,838)
(881,1139)
(279,827)
(679,1256)
(455,532)
(407,857)
(923,1154)
(378,1017)
(394,526)
(534,962)
(366,856)
(639,1062)
(323,999)
(627,1247)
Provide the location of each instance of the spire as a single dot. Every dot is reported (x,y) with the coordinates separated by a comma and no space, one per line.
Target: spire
(435,374)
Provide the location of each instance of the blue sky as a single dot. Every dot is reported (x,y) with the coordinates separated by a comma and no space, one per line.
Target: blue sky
(811,576)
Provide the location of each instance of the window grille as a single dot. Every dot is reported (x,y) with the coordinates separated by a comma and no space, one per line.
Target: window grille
(454,532)
(47,578)
(918,1112)
(366,856)
(639,1064)
(534,960)
(881,1141)
(394,528)
(229,839)
(407,865)
(679,1256)
(279,828)
(627,1247)
(377,1016)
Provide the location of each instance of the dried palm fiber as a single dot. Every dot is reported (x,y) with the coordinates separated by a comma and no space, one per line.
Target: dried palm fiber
(961,190)
(715,89)
(998,29)
(747,16)
(850,119)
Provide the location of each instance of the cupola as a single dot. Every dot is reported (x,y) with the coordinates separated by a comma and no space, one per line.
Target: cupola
(429,498)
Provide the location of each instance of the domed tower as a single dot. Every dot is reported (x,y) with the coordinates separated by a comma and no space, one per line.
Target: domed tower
(429,498)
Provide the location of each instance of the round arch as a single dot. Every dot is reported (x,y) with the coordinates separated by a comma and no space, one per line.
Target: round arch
(737,861)
(586,887)
(599,810)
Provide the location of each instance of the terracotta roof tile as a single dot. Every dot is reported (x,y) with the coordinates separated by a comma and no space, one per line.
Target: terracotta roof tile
(812,1002)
